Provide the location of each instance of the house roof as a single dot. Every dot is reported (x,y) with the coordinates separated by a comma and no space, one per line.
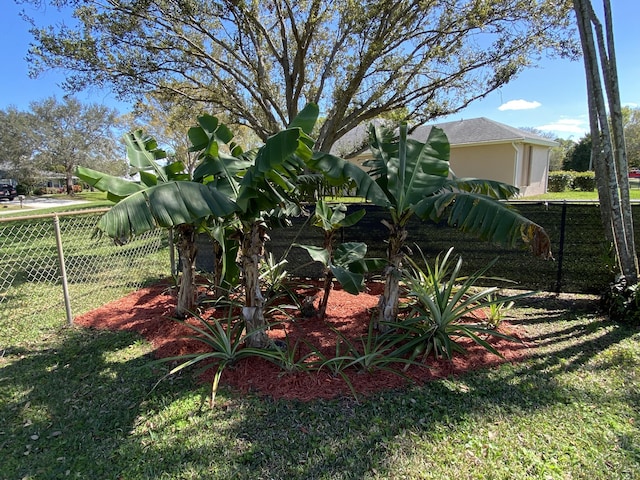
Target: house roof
(475,131)
(481,130)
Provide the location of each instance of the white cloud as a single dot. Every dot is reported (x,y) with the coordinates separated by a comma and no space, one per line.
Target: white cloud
(567,126)
(519,105)
(630,105)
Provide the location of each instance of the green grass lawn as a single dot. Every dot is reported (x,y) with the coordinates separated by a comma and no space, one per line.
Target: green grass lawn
(86,195)
(634,194)
(78,403)
(90,200)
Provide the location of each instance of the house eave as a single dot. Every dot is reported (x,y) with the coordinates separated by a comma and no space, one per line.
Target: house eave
(528,141)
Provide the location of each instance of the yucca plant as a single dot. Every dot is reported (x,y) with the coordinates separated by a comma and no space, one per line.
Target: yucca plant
(367,354)
(442,308)
(496,311)
(225,340)
(289,358)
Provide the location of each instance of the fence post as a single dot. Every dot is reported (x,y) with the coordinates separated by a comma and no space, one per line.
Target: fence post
(63,270)
(563,224)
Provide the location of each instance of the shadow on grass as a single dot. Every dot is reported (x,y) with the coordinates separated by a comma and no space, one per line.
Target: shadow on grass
(82,408)
(261,438)
(66,408)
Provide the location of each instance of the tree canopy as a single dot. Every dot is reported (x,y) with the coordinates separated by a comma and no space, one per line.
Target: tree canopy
(578,158)
(631,119)
(57,136)
(261,62)
(17,145)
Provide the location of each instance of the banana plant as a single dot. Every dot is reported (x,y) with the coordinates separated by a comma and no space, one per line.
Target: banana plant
(346,263)
(416,180)
(263,184)
(165,197)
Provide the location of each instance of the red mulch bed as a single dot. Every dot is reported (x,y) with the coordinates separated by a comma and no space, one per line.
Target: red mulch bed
(150,312)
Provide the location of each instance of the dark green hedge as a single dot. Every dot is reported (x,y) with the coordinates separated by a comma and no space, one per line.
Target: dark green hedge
(563,180)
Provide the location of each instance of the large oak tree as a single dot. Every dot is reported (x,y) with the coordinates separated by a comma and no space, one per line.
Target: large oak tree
(57,136)
(69,133)
(261,62)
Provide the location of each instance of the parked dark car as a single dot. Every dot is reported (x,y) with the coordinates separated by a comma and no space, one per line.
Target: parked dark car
(7,191)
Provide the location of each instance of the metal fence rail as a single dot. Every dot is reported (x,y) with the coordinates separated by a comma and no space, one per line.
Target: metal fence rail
(55,261)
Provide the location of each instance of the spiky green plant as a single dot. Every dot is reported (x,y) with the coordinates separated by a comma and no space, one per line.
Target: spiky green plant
(442,308)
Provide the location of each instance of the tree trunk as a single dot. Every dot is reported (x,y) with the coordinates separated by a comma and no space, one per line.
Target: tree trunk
(69,181)
(608,150)
(326,291)
(629,262)
(187,289)
(388,302)
(218,252)
(253,311)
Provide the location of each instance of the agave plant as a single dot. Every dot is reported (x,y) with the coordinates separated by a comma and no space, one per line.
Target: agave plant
(225,344)
(370,353)
(497,311)
(442,308)
(224,340)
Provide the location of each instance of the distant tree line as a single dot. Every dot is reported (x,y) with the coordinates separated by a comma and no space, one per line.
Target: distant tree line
(54,137)
(576,156)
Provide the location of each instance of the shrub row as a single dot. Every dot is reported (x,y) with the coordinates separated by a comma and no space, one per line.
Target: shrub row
(561,181)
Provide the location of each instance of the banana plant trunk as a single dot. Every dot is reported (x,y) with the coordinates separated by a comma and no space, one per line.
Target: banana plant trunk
(218,252)
(388,302)
(187,250)
(253,311)
(328,275)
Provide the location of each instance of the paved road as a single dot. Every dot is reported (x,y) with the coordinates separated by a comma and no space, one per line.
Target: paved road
(37,202)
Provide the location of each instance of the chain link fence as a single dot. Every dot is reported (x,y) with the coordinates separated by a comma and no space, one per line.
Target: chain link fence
(54,265)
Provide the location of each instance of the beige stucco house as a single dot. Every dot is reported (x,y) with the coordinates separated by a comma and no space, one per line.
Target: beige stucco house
(483,148)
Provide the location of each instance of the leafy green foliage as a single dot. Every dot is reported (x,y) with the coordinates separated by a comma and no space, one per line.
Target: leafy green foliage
(622,302)
(62,136)
(346,262)
(584,181)
(579,158)
(442,306)
(363,60)
(416,178)
(560,181)
(408,170)
(163,199)
(496,311)
(370,353)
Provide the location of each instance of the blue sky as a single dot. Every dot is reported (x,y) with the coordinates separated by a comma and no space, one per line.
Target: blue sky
(551,97)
